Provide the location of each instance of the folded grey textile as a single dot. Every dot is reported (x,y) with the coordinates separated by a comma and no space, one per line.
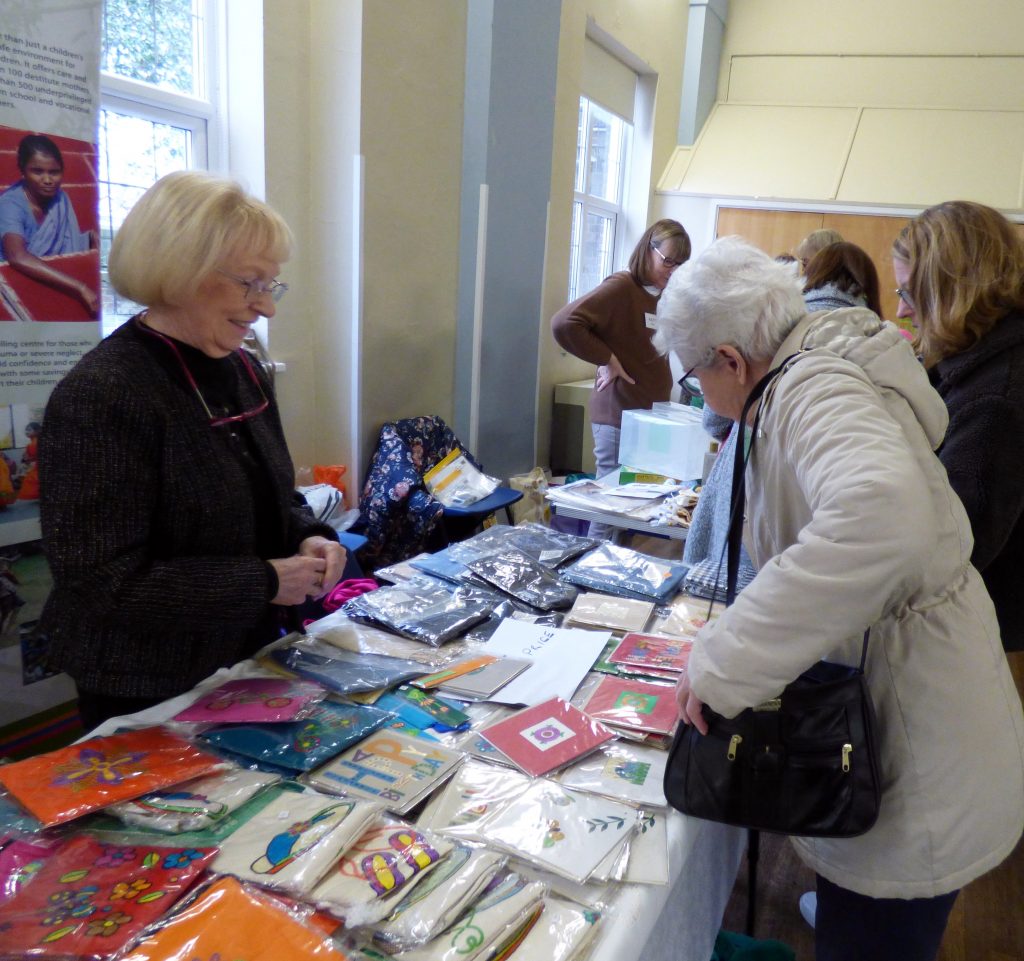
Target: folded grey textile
(543,544)
(524,578)
(627,573)
(707,579)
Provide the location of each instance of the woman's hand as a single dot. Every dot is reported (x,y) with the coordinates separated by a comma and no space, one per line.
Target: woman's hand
(689,704)
(332,554)
(298,578)
(611,372)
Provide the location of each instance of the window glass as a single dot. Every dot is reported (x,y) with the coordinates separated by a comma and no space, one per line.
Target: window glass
(157,42)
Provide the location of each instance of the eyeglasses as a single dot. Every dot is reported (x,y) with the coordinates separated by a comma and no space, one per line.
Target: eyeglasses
(689,384)
(214,421)
(254,289)
(905,297)
(667,261)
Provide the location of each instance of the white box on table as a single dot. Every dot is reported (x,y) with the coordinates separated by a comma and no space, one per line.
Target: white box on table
(672,443)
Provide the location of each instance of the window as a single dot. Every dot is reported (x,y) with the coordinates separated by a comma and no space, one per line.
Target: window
(602,151)
(157,109)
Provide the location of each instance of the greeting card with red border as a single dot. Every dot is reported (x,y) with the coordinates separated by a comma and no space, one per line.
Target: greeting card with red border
(547,736)
(630,703)
(650,650)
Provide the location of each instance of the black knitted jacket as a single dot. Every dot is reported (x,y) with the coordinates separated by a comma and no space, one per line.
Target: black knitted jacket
(983,452)
(149,524)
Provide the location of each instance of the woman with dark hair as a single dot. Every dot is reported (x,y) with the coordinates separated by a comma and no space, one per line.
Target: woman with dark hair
(841,275)
(960,270)
(611,326)
(37,220)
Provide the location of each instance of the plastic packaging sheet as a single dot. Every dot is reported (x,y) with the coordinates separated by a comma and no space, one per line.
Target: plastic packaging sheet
(195,805)
(340,631)
(294,841)
(421,610)
(388,858)
(544,544)
(302,745)
(433,905)
(621,771)
(65,784)
(567,832)
(522,577)
(619,570)
(562,932)
(20,861)
(90,899)
(230,920)
(253,699)
(343,672)
(499,912)
(475,790)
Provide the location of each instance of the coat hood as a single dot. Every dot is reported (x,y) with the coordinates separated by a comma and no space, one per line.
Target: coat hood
(878,348)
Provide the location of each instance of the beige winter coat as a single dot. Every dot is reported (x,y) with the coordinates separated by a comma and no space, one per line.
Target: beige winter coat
(851,522)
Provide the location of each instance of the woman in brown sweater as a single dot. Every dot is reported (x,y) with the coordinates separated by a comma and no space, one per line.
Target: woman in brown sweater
(611,326)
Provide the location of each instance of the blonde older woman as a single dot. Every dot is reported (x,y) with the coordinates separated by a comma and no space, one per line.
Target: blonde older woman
(853,525)
(168,510)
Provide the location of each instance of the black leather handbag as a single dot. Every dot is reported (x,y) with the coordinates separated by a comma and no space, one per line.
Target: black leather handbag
(805,763)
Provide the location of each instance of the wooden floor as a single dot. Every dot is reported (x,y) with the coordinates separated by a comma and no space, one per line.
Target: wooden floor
(987,922)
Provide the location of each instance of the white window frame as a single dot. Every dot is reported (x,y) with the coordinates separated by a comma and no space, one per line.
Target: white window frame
(584,202)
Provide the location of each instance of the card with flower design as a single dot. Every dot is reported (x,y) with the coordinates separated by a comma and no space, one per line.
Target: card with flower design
(648,851)
(560,934)
(474,790)
(567,832)
(195,805)
(302,745)
(652,650)
(547,736)
(252,700)
(388,766)
(504,905)
(230,920)
(91,899)
(623,771)
(20,862)
(635,704)
(294,841)
(389,857)
(67,783)
(434,904)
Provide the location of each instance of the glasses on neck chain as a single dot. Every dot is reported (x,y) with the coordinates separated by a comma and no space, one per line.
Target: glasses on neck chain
(214,421)
(254,289)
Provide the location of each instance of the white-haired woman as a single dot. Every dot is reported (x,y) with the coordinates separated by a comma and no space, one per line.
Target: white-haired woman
(168,508)
(852,524)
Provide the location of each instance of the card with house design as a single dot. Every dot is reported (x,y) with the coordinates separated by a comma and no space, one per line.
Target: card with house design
(631,703)
(547,736)
(628,772)
(390,767)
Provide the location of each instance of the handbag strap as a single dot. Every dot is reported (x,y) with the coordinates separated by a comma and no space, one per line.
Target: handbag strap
(741,458)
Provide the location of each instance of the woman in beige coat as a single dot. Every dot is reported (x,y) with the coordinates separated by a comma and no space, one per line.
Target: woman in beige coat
(852,524)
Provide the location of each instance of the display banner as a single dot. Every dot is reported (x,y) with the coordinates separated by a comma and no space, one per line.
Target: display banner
(49,231)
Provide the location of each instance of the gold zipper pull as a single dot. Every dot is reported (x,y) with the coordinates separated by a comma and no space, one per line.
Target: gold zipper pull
(847,750)
(735,740)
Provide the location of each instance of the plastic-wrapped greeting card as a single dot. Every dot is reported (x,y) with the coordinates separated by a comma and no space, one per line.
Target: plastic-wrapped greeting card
(20,862)
(231,921)
(196,805)
(302,745)
(252,700)
(67,783)
(294,841)
(387,858)
(439,899)
(90,899)
(560,934)
(633,773)
(475,790)
(635,704)
(547,736)
(652,650)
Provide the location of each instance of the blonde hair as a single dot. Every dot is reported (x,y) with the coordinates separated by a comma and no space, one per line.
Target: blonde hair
(966,272)
(816,241)
(182,229)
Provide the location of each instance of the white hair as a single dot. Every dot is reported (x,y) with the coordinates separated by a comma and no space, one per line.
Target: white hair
(731,293)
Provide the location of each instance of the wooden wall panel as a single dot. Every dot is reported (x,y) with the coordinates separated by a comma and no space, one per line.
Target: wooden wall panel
(779,231)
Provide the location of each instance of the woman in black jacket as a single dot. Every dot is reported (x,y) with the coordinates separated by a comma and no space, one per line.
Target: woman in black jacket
(960,270)
(170,522)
